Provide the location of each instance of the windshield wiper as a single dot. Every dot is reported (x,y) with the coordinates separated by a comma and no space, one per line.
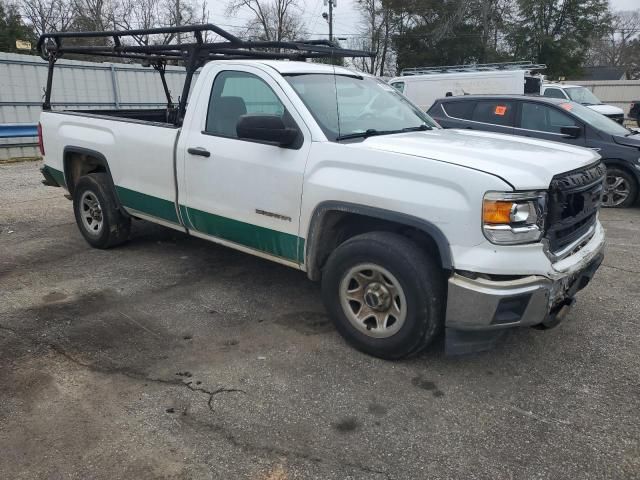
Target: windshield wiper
(372,132)
(419,128)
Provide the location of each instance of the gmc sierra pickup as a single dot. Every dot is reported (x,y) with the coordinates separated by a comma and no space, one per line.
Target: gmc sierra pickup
(411,229)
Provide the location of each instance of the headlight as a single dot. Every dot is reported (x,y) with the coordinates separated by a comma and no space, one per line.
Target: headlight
(511,218)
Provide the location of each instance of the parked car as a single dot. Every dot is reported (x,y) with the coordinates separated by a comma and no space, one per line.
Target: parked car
(634,111)
(558,120)
(583,96)
(411,229)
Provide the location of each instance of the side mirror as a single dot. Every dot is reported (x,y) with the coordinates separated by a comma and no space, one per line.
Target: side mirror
(266,128)
(571,132)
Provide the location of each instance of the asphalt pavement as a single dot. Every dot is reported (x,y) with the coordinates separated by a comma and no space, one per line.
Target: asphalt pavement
(171,357)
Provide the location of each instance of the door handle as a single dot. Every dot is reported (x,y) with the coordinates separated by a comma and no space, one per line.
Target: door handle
(202,152)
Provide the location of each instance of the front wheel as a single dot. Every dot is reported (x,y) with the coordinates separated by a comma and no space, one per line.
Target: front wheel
(620,189)
(98,217)
(385,295)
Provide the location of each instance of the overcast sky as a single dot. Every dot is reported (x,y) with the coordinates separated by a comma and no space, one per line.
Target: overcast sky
(346,17)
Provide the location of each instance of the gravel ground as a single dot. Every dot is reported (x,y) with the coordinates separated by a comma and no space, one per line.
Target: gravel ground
(171,357)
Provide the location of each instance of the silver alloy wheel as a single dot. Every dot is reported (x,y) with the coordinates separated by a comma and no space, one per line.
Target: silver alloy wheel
(616,191)
(91,213)
(373,300)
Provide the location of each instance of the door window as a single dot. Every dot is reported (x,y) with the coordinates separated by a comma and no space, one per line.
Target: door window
(459,109)
(238,93)
(554,93)
(535,116)
(494,112)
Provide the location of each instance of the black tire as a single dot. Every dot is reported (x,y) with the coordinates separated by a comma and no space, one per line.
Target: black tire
(613,174)
(421,280)
(115,226)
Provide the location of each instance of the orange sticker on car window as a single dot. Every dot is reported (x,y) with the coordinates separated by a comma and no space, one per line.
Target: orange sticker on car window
(500,110)
(567,106)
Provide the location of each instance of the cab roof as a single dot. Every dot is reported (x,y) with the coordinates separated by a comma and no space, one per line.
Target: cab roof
(285,67)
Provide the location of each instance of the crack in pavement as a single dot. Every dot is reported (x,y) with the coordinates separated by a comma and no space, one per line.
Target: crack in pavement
(228,436)
(278,451)
(218,428)
(213,393)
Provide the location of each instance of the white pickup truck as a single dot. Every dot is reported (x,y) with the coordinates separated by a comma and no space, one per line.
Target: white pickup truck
(409,227)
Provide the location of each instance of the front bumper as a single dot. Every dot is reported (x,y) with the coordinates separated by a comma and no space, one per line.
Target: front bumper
(483,304)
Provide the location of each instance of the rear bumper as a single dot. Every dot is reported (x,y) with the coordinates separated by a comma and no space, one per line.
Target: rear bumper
(482,305)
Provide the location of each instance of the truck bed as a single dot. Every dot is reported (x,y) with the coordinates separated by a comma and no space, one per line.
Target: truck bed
(139,152)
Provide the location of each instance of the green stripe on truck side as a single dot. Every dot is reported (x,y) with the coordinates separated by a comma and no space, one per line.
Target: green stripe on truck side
(157,207)
(283,245)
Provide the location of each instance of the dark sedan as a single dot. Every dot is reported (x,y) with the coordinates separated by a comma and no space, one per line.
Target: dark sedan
(557,120)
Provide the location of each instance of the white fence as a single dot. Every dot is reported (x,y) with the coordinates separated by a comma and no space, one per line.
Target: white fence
(615,92)
(87,85)
(76,85)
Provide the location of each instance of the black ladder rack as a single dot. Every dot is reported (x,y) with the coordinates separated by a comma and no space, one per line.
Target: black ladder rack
(192,54)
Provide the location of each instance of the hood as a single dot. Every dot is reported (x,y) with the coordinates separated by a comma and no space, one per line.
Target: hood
(630,141)
(525,163)
(606,109)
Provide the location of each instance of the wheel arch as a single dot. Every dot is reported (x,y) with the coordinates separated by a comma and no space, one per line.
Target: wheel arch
(79,161)
(624,165)
(334,222)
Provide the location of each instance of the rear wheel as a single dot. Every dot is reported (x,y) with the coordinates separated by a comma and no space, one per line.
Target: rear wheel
(620,189)
(98,217)
(385,295)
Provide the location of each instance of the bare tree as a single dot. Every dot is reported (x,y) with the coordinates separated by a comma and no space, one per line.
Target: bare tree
(95,15)
(616,46)
(48,15)
(490,15)
(273,20)
(378,26)
(145,14)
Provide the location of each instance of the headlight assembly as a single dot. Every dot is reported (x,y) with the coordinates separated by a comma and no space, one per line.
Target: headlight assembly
(512,218)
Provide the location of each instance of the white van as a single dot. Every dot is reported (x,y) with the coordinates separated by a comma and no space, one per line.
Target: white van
(424,85)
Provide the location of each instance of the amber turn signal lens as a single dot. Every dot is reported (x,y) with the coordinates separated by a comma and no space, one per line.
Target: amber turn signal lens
(496,212)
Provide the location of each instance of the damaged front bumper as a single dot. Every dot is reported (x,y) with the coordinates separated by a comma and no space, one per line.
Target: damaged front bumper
(479,309)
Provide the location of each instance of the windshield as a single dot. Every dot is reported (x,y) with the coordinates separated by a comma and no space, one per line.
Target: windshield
(582,95)
(595,119)
(347,106)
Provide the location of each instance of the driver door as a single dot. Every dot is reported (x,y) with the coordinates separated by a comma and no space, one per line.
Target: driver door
(539,120)
(243,193)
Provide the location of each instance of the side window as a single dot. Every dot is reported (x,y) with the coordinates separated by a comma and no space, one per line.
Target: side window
(461,109)
(535,116)
(398,86)
(494,112)
(235,94)
(554,93)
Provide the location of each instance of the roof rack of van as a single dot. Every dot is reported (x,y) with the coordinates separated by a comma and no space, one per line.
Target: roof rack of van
(194,51)
(473,67)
